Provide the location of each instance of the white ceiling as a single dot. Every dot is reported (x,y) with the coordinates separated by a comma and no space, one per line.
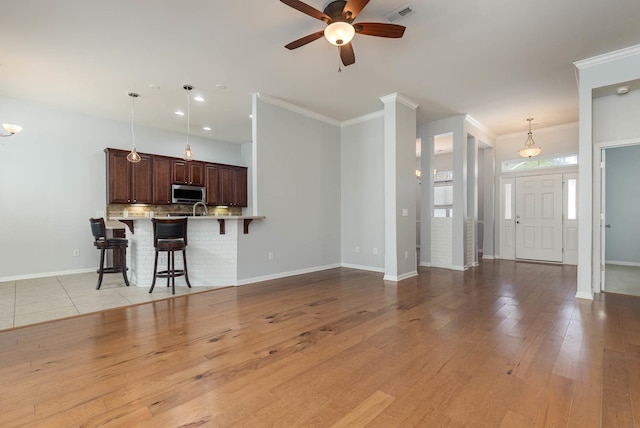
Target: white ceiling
(499,61)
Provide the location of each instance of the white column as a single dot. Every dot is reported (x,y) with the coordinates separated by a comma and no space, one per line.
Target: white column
(400,203)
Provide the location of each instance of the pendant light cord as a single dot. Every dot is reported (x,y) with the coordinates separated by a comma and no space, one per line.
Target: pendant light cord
(133,134)
(188,116)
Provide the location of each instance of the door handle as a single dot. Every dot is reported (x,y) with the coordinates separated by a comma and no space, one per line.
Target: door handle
(608,226)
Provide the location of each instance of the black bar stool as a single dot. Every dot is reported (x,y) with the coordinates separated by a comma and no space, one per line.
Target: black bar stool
(170,235)
(102,243)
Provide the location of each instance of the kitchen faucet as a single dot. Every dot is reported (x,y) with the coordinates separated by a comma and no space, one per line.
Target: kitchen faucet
(206,211)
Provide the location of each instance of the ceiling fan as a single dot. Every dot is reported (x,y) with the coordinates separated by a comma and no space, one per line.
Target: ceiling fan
(339,15)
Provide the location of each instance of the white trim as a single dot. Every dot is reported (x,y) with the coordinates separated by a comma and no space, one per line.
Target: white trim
(361,267)
(364,118)
(297,109)
(425,264)
(488,257)
(619,263)
(608,57)
(399,278)
(473,122)
(45,274)
(582,295)
(285,274)
(399,98)
(446,266)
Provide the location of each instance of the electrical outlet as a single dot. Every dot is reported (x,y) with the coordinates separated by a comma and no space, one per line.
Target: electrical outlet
(162,260)
(76,253)
(406,254)
(270,255)
(99,214)
(357,249)
(375,250)
(405,212)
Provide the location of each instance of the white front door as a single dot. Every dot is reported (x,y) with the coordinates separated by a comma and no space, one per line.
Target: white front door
(539,218)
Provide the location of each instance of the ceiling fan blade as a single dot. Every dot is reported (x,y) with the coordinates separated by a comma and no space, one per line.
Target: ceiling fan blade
(379,29)
(353,8)
(309,10)
(347,55)
(304,40)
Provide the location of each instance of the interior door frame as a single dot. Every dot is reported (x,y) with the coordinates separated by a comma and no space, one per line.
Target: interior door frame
(598,232)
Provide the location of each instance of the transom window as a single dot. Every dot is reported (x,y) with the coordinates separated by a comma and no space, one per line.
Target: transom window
(539,163)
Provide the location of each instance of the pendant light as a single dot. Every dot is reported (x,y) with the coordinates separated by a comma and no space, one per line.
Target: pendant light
(133,156)
(530,149)
(188,154)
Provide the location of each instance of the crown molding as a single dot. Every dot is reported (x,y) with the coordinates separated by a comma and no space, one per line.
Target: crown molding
(297,109)
(473,122)
(361,119)
(399,98)
(607,57)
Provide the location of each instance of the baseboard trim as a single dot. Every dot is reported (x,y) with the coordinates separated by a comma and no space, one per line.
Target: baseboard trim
(45,274)
(398,278)
(285,274)
(618,263)
(361,267)
(584,295)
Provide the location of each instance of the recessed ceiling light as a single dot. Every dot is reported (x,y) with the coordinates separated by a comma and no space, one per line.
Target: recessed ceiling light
(250,116)
(206,128)
(221,86)
(180,113)
(154,87)
(198,98)
(622,90)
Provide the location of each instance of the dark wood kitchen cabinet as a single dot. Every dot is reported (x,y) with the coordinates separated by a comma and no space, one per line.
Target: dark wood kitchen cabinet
(188,172)
(233,185)
(129,183)
(212,184)
(162,180)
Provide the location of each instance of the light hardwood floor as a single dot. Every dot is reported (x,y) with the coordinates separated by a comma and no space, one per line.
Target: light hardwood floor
(502,345)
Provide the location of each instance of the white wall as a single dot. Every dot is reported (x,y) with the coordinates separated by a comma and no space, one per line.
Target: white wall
(52,180)
(362,191)
(298,190)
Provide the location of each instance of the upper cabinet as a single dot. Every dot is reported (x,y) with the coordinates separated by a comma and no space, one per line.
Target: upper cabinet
(128,183)
(233,185)
(149,181)
(188,172)
(162,180)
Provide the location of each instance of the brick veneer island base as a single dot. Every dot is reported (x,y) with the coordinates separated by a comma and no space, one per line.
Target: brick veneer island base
(212,250)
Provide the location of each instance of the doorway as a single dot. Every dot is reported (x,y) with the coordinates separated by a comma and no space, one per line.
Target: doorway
(620,246)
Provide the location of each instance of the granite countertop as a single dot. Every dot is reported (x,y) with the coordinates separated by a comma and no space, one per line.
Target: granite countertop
(116,220)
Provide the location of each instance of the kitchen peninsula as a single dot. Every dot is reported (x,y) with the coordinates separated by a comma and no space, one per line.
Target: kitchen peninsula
(212,249)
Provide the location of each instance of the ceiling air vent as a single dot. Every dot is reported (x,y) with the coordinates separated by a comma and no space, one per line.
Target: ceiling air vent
(399,14)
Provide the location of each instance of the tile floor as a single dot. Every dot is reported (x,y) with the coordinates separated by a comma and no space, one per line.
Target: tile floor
(36,300)
(622,279)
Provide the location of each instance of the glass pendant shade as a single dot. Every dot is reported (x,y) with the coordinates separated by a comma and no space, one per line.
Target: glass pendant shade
(339,33)
(11,129)
(133,156)
(530,149)
(187,154)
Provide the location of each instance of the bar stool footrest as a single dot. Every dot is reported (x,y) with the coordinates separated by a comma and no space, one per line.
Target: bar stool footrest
(167,274)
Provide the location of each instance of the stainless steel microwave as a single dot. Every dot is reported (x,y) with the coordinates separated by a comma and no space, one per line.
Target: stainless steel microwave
(182,194)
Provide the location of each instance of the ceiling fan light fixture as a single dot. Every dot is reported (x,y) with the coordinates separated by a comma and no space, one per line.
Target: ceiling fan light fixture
(339,33)
(530,150)
(11,129)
